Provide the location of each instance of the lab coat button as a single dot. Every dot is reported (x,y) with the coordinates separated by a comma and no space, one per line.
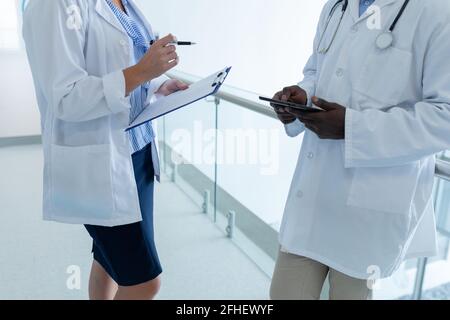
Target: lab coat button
(310,155)
(340,72)
(300,194)
(123,42)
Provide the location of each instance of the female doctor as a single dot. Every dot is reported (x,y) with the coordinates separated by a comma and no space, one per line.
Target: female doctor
(94,73)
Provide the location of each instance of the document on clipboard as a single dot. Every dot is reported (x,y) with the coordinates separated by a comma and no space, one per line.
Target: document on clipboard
(195,92)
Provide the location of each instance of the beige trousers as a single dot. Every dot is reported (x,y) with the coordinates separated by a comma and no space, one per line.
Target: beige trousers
(300,278)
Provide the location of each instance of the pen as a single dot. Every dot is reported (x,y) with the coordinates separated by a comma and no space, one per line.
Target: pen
(178,43)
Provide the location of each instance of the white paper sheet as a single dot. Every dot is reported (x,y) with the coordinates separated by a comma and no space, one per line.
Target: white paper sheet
(180,99)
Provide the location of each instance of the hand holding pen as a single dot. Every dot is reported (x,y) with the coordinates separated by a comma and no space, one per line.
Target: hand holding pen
(175,42)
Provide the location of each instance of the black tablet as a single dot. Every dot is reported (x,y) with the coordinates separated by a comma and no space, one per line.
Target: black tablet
(288,104)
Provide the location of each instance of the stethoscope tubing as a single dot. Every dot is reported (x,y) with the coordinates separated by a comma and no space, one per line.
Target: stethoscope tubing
(330,16)
(344,9)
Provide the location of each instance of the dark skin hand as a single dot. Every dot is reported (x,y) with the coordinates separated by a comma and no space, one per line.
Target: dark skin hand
(294,94)
(329,124)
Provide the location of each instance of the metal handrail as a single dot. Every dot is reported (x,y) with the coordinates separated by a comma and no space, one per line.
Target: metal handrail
(245,99)
(249,100)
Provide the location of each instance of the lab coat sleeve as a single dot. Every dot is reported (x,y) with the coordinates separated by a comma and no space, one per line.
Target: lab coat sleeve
(309,81)
(55,48)
(376,138)
(310,72)
(295,128)
(309,85)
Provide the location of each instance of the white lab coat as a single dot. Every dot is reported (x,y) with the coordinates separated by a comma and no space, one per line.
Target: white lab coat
(364,204)
(77,50)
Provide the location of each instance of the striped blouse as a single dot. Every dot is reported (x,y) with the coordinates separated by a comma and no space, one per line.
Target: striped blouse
(143,135)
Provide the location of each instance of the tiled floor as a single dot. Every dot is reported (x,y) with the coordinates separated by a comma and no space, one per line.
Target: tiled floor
(199,262)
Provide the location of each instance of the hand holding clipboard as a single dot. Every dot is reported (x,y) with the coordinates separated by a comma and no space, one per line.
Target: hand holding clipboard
(197,91)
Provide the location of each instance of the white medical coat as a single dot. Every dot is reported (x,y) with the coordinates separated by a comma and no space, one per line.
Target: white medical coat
(77,51)
(364,204)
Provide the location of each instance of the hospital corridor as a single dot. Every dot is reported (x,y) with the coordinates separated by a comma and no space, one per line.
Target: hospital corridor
(160,150)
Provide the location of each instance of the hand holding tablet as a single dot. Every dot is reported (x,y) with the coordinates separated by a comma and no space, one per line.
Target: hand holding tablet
(287,104)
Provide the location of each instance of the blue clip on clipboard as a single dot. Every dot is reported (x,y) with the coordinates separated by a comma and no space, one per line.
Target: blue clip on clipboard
(197,91)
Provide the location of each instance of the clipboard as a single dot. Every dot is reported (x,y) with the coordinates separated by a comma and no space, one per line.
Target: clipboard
(197,91)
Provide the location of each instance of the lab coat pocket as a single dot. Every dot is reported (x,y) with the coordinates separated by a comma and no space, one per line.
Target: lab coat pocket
(384,76)
(384,189)
(81,181)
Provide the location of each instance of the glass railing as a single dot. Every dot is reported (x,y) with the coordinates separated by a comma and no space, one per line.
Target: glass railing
(226,157)
(224,152)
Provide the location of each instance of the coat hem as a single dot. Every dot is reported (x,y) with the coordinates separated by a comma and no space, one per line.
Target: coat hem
(93,222)
(422,254)
(336,266)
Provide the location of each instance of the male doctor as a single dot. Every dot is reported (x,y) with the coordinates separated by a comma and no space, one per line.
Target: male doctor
(361,196)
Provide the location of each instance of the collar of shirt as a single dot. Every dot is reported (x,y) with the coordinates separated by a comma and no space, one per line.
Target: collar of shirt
(131,24)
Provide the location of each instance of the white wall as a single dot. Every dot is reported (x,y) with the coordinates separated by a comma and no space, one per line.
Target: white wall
(19,114)
(266,41)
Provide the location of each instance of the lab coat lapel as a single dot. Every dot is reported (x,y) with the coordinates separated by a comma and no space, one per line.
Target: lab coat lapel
(354,9)
(105,12)
(384,3)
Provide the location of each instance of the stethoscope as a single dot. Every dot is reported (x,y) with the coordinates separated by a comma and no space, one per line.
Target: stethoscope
(384,41)
(24,5)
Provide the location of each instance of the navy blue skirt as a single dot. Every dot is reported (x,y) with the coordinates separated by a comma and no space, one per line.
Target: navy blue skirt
(128,253)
